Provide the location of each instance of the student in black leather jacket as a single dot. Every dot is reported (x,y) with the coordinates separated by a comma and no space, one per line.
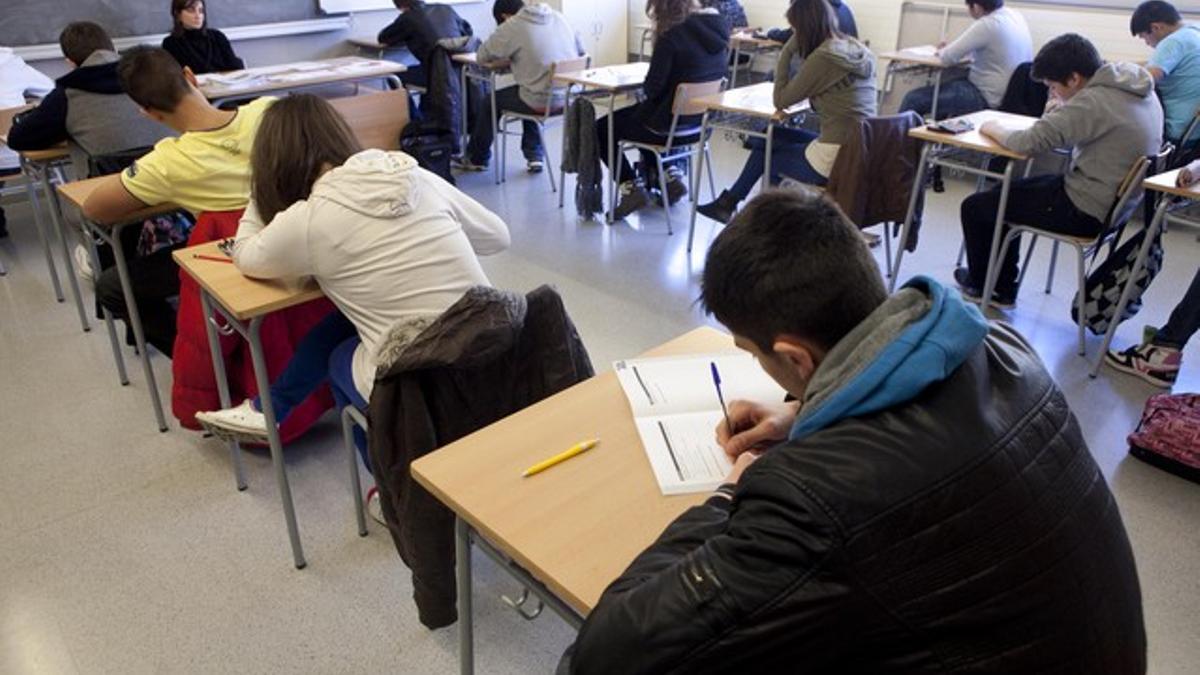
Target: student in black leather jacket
(927,505)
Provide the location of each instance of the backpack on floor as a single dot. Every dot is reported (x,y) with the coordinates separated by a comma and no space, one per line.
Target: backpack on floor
(1168,436)
(1102,288)
(430,146)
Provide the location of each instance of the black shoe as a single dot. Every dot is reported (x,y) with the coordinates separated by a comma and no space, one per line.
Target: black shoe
(936,180)
(631,196)
(3,225)
(676,190)
(973,293)
(721,209)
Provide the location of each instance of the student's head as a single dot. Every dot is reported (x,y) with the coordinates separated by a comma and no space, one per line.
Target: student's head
(155,81)
(981,8)
(1154,20)
(404,5)
(1065,64)
(666,14)
(813,22)
(790,277)
(300,138)
(188,15)
(503,9)
(80,39)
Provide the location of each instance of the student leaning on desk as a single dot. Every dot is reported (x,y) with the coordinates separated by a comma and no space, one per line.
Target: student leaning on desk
(928,505)
(17,80)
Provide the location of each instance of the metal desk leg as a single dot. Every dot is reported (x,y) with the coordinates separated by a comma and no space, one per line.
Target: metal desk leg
(268,410)
(462,136)
(135,322)
(1156,223)
(497,156)
(57,217)
(699,175)
(937,88)
(214,346)
(918,186)
(733,68)
(122,376)
(466,621)
(31,190)
(766,179)
(612,168)
(993,268)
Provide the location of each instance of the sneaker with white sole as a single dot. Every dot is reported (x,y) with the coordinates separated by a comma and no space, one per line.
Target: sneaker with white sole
(1153,363)
(375,506)
(240,423)
(83,265)
(535,165)
(466,164)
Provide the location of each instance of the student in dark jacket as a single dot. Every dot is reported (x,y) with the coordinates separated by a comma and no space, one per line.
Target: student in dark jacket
(927,504)
(732,10)
(194,44)
(845,23)
(419,27)
(690,45)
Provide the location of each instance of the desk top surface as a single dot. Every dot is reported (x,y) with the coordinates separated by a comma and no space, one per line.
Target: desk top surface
(6,118)
(1165,183)
(748,38)
(757,100)
(301,74)
(612,78)
(973,140)
(577,525)
(366,42)
(77,192)
(243,297)
(472,59)
(923,55)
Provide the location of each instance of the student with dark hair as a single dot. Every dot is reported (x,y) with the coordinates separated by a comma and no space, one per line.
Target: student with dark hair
(997,42)
(837,76)
(194,44)
(691,44)
(927,502)
(419,28)
(732,10)
(1175,63)
(530,38)
(17,80)
(845,23)
(1109,117)
(387,241)
(207,168)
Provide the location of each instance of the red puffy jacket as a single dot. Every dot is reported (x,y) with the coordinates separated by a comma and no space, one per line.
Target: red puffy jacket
(195,386)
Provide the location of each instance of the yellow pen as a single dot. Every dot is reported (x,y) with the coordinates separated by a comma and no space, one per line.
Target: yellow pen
(576,449)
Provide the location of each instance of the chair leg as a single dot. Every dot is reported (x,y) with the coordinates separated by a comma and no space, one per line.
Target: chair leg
(962,253)
(348,424)
(501,164)
(1079,299)
(1053,264)
(549,171)
(617,179)
(989,286)
(887,248)
(662,186)
(1028,256)
(712,185)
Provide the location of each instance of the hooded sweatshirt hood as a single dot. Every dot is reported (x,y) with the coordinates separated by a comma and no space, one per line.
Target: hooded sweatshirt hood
(97,75)
(538,14)
(849,55)
(374,183)
(707,29)
(1126,77)
(917,337)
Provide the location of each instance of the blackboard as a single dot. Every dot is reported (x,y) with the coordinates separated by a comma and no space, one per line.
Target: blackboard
(32,22)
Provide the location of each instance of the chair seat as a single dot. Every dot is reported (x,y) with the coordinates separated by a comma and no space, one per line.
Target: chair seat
(1066,238)
(681,140)
(532,117)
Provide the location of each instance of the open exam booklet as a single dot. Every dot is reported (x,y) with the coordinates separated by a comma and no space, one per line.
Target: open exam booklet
(676,410)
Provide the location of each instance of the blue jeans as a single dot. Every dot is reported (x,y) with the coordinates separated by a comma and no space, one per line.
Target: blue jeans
(1185,319)
(309,366)
(479,148)
(787,159)
(341,383)
(957,97)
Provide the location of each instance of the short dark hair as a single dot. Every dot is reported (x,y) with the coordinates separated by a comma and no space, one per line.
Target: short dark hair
(988,6)
(791,263)
(1064,55)
(81,39)
(152,78)
(509,7)
(1154,11)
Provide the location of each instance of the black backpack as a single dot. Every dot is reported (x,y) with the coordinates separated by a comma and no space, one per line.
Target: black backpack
(1102,289)
(431,146)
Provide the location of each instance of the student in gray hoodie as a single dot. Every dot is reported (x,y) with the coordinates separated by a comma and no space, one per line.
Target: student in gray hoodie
(531,38)
(1109,117)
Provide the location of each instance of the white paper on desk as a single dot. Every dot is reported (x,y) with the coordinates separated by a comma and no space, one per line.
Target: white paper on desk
(929,51)
(676,411)
(291,77)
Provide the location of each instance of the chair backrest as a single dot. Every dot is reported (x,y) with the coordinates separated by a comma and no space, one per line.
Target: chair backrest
(1182,152)
(376,119)
(686,93)
(1130,193)
(558,89)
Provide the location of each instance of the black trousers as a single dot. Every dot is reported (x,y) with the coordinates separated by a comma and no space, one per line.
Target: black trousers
(155,279)
(1040,202)
(627,127)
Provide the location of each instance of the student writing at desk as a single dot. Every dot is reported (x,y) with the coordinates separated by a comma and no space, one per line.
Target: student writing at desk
(1109,117)
(927,505)
(1175,65)
(419,27)
(194,44)
(17,80)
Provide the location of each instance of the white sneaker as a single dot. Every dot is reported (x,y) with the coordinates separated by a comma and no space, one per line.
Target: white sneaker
(242,423)
(374,507)
(83,265)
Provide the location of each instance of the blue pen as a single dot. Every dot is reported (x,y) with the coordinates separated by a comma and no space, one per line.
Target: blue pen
(721,397)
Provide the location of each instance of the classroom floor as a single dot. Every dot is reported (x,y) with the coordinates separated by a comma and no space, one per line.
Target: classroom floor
(125,550)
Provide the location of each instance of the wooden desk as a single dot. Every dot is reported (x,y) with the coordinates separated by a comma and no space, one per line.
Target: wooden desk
(77,193)
(937,151)
(924,57)
(223,87)
(606,82)
(744,41)
(370,45)
(576,527)
(244,303)
(729,110)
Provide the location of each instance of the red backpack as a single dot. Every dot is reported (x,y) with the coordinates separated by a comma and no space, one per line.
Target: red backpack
(1169,435)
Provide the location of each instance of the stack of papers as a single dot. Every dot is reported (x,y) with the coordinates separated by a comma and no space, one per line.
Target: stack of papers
(676,410)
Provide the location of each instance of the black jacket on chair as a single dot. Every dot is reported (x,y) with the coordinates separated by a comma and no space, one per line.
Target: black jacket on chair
(966,530)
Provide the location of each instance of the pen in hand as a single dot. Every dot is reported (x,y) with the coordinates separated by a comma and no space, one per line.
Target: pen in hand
(716,375)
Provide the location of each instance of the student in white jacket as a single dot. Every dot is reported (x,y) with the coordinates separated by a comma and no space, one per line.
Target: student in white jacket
(17,80)
(386,240)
